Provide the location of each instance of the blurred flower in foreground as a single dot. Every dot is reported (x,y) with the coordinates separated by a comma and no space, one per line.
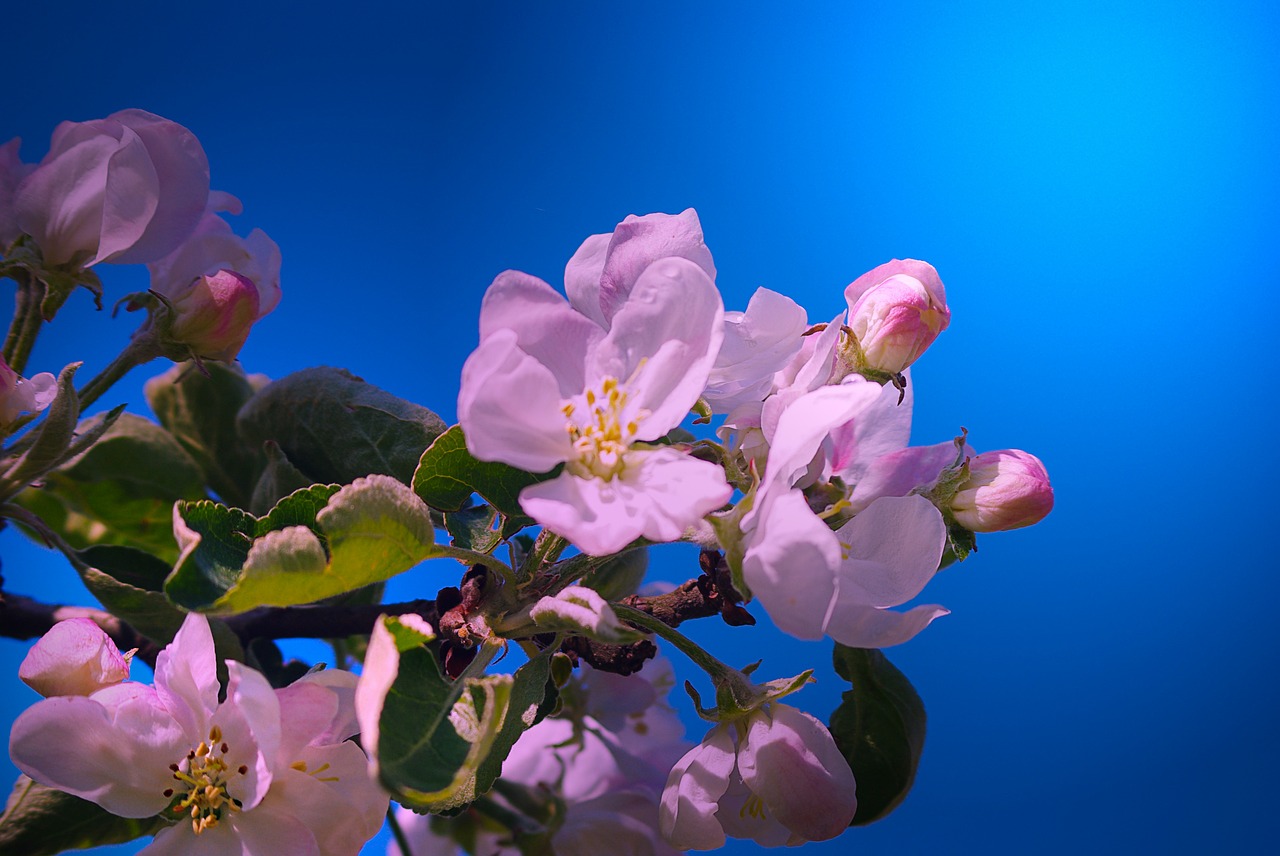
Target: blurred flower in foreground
(774,776)
(265,771)
(75,657)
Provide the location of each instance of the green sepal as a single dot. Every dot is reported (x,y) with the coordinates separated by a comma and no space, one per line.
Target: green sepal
(316,543)
(728,529)
(40,821)
(335,427)
(447,476)
(879,727)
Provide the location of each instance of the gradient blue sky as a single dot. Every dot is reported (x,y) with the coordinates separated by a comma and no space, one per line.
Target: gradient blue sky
(1096,183)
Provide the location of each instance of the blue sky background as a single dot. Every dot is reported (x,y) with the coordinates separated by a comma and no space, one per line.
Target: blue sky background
(1096,183)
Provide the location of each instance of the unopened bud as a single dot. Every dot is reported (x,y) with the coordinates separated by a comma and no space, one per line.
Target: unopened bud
(75,657)
(895,312)
(1007,489)
(213,315)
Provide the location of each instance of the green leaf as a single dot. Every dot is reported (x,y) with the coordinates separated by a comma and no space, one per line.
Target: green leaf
(199,409)
(879,727)
(38,821)
(447,475)
(129,583)
(334,427)
(427,734)
(121,490)
(279,479)
(619,576)
(533,695)
(472,528)
(316,543)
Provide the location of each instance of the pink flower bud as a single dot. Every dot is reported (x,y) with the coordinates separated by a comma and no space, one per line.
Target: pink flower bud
(76,657)
(24,395)
(1007,489)
(213,314)
(127,188)
(896,311)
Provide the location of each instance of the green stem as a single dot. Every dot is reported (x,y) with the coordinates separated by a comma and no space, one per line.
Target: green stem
(546,550)
(397,833)
(709,664)
(26,322)
(140,350)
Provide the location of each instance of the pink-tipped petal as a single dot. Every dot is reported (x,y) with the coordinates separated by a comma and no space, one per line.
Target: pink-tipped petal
(686,814)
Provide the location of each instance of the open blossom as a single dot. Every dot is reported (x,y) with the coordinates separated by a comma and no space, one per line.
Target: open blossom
(12,171)
(128,188)
(774,776)
(607,757)
(20,395)
(549,385)
(264,771)
(896,311)
(758,343)
(75,657)
(1006,489)
(817,582)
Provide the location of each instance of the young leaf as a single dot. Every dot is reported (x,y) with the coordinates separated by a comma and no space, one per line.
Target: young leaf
(533,695)
(447,475)
(316,543)
(38,821)
(334,427)
(472,528)
(879,727)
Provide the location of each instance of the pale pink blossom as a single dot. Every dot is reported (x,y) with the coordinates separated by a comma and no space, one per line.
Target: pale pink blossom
(263,771)
(601,274)
(20,395)
(12,172)
(75,657)
(127,188)
(213,247)
(758,343)
(814,581)
(774,776)
(896,311)
(550,386)
(1006,489)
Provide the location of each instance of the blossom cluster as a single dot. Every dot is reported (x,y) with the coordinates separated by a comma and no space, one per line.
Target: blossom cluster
(805,496)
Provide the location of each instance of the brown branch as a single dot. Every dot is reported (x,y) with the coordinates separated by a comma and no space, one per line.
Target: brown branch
(710,594)
(25,618)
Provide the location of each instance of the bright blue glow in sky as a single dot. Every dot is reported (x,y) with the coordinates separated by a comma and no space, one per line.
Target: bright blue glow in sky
(1097,184)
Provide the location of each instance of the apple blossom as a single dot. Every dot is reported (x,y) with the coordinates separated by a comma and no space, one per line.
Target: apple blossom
(758,343)
(601,274)
(263,771)
(75,657)
(813,581)
(895,312)
(548,385)
(774,776)
(127,188)
(24,395)
(213,315)
(12,171)
(213,247)
(1007,489)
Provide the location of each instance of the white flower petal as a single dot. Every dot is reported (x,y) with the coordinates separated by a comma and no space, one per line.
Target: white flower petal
(789,759)
(686,814)
(659,495)
(895,545)
(790,565)
(187,673)
(509,407)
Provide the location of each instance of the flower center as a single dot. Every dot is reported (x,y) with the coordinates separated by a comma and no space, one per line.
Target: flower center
(600,430)
(202,792)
